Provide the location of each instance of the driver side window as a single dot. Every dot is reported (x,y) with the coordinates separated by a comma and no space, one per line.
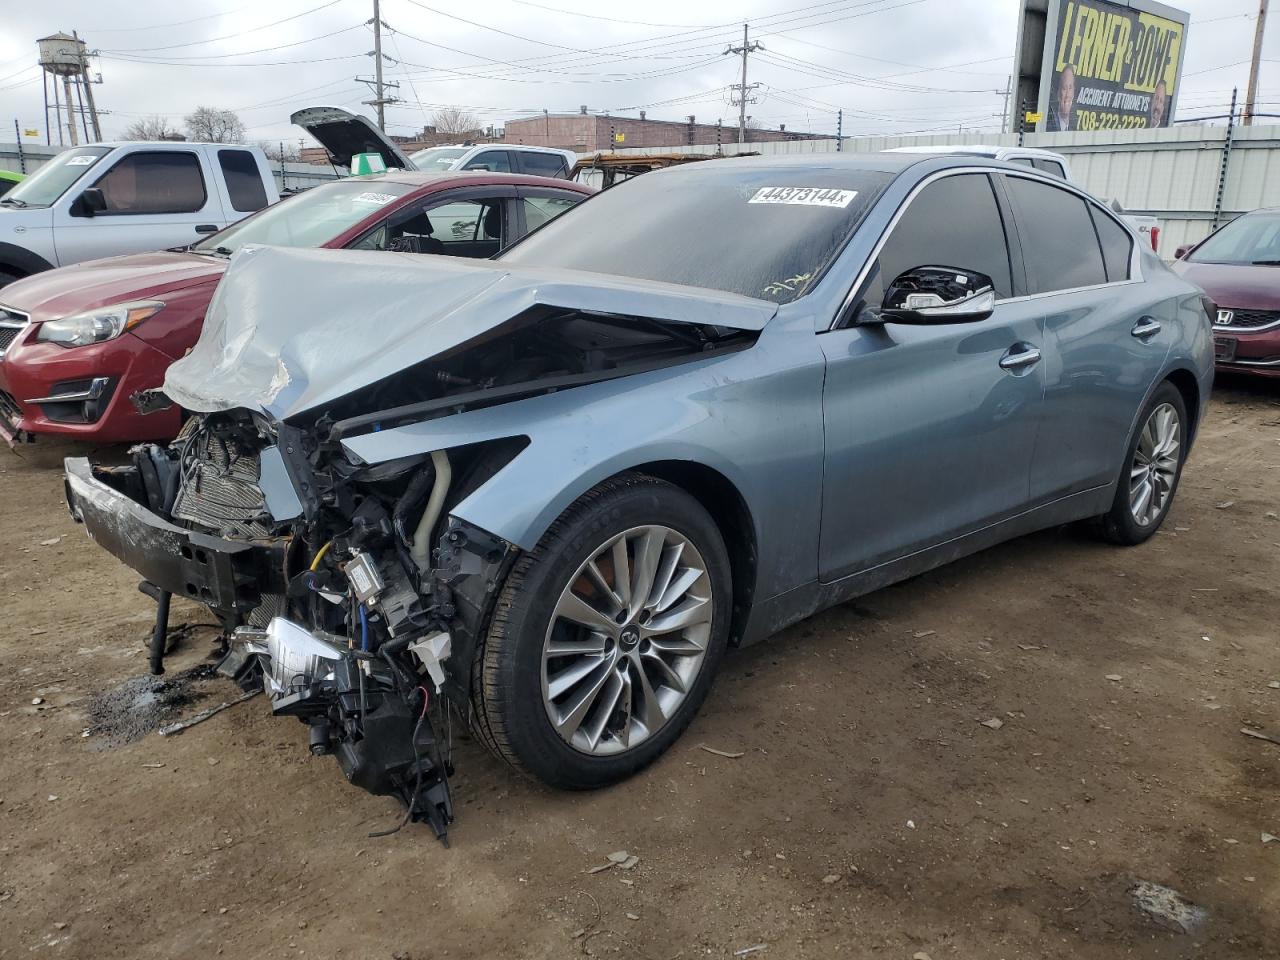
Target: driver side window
(459,228)
(953,222)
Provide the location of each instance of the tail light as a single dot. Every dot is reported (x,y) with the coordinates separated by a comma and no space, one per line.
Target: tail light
(1155,239)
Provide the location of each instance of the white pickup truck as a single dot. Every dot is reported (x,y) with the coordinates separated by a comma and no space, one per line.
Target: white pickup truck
(1046,161)
(106,199)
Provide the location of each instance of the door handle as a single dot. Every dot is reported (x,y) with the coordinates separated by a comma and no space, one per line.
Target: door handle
(1146,328)
(1017,359)
(206,228)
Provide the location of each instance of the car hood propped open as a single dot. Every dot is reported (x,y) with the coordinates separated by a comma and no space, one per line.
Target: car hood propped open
(290,330)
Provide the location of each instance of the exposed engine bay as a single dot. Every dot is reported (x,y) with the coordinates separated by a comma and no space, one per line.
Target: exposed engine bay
(346,590)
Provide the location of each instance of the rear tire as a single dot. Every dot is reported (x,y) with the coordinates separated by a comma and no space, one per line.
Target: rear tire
(643,648)
(7,278)
(1151,471)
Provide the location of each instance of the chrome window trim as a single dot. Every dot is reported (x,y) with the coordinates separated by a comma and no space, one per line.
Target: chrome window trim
(1135,253)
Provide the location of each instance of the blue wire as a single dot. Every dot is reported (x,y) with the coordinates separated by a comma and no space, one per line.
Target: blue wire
(364,630)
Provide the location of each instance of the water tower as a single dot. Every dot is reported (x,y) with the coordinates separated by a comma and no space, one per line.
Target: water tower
(65,55)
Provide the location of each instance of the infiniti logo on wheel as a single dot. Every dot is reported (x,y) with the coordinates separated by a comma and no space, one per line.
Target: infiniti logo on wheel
(1225,317)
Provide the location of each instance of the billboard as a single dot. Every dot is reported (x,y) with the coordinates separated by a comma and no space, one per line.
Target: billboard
(1099,64)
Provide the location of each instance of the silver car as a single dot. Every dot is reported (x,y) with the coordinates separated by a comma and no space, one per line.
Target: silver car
(553,488)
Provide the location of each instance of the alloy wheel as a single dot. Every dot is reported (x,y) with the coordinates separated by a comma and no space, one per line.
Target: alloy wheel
(1155,464)
(627,640)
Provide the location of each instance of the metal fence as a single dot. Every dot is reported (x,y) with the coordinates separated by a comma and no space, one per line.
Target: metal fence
(293,176)
(1186,176)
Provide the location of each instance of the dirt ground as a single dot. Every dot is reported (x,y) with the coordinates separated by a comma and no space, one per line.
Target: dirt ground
(871,815)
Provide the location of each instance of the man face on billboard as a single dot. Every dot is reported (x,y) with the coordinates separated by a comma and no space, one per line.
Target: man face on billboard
(1066,97)
(1159,105)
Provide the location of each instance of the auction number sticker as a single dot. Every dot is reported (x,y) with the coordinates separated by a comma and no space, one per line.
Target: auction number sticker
(378,198)
(805,196)
(81,161)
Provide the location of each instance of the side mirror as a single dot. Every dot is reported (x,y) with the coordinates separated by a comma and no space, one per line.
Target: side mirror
(1182,251)
(484,167)
(90,203)
(929,295)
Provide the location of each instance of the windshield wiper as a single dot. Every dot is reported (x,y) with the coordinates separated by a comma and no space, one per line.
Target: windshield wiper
(216,251)
(1266,263)
(14,201)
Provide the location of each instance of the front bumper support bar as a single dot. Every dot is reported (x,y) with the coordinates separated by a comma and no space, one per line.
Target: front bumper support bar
(228,575)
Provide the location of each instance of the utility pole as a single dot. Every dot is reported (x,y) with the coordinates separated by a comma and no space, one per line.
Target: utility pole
(743,88)
(839,130)
(1252,95)
(1008,92)
(88,91)
(379,86)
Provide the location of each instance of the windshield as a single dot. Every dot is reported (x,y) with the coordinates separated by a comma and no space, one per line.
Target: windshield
(436,158)
(761,231)
(1253,238)
(46,185)
(309,219)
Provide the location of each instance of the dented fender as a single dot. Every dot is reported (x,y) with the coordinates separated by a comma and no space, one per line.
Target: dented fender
(753,416)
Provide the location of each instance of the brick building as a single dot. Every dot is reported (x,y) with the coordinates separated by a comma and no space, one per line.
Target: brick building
(587,133)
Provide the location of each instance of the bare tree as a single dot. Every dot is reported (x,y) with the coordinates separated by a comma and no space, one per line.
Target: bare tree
(291,151)
(456,122)
(151,128)
(214,125)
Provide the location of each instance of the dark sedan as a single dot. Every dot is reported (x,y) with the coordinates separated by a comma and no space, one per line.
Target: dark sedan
(78,342)
(1239,267)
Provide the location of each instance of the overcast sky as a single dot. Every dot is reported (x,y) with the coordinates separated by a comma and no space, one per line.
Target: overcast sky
(892,65)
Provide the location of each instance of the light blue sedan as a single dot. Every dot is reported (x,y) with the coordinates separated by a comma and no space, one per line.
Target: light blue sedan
(691,411)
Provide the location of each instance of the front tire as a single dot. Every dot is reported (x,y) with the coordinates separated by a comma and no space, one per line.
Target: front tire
(1152,468)
(606,636)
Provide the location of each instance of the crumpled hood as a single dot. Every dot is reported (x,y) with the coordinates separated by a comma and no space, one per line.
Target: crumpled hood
(290,330)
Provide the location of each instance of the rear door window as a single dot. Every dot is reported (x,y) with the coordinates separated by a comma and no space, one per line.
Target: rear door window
(953,222)
(542,164)
(156,182)
(538,210)
(244,182)
(1117,245)
(495,161)
(1059,244)
(1051,167)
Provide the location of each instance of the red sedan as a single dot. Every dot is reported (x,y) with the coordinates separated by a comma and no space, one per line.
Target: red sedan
(77,343)
(1239,267)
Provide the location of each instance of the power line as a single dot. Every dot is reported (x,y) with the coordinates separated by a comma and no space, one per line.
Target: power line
(230,36)
(591,16)
(121,54)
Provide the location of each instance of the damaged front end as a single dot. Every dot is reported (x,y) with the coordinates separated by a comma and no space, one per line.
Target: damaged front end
(348,590)
(324,577)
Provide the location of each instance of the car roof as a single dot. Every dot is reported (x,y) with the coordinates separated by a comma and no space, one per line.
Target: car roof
(977,149)
(482,178)
(881,162)
(526,147)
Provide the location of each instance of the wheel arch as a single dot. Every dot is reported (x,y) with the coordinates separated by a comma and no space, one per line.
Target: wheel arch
(728,508)
(21,261)
(1189,387)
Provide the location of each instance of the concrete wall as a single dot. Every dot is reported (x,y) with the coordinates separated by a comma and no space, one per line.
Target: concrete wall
(1171,173)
